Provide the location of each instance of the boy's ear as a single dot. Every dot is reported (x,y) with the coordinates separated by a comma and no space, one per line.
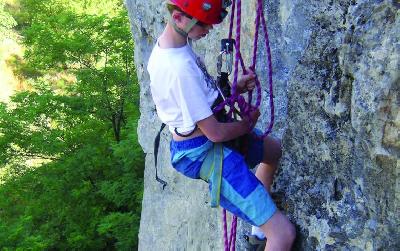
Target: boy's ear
(177,16)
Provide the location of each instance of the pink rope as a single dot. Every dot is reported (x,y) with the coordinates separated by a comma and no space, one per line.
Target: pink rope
(232,18)
(246,107)
(229,245)
(237,46)
(233,233)
(226,244)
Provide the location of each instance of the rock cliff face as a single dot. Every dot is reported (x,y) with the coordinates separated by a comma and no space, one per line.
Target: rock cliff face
(336,83)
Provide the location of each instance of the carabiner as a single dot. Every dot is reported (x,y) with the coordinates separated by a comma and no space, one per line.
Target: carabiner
(227,50)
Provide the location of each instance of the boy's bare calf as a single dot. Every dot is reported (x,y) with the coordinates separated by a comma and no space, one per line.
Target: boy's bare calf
(280,233)
(279,230)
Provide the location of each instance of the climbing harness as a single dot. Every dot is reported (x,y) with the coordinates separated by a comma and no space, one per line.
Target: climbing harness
(235,99)
(188,134)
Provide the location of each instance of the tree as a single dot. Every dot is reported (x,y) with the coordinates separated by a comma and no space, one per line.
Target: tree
(85,189)
(7,22)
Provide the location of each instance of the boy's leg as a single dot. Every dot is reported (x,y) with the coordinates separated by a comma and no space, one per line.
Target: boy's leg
(272,152)
(244,195)
(280,231)
(266,170)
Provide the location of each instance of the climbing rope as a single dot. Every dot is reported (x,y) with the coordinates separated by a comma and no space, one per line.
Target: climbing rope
(229,244)
(236,99)
(246,107)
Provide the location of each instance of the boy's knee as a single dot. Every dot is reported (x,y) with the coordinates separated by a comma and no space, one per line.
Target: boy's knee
(290,233)
(272,150)
(280,231)
(285,237)
(287,233)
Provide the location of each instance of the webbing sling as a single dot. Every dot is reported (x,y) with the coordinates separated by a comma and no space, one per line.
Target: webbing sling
(211,171)
(156,146)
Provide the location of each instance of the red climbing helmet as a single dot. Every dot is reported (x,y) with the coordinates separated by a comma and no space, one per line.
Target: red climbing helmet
(206,11)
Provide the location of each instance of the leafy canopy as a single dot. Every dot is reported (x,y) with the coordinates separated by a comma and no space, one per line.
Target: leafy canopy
(74,175)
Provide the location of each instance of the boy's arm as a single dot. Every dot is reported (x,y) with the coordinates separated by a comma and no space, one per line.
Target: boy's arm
(221,132)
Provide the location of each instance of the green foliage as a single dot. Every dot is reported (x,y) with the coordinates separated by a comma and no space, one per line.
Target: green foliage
(119,227)
(74,177)
(21,68)
(7,22)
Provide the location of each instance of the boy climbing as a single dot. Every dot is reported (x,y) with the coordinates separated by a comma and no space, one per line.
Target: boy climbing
(184,94)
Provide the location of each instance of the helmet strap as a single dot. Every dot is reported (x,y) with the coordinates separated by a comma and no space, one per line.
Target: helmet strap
(184,32)
(191,24)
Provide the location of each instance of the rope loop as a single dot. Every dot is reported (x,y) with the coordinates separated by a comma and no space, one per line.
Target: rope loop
(245,108)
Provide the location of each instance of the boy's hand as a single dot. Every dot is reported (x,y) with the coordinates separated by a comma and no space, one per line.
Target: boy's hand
(251,120)
(254,115)
(246,82)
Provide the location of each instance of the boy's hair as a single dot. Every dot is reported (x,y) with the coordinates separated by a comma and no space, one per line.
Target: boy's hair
(171,7)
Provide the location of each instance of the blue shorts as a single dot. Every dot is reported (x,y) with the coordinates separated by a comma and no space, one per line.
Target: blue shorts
(241,192)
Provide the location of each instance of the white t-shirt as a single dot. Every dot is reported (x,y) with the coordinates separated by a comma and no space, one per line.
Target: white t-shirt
(181,87)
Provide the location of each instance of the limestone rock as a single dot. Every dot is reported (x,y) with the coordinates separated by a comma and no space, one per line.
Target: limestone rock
(336,86)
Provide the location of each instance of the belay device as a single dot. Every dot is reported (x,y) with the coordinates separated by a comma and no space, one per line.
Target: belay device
(224,69)
(224,66)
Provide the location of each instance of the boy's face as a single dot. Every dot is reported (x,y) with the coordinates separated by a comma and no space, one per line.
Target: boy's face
(198,31)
